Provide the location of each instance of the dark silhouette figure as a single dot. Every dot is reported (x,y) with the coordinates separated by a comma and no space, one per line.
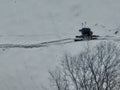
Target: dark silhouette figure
(86,33)
(116,32)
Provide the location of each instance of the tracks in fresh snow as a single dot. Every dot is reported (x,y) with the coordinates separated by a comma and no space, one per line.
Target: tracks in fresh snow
(55,42)
(43,44)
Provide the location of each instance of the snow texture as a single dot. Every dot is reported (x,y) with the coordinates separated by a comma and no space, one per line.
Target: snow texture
(36,21)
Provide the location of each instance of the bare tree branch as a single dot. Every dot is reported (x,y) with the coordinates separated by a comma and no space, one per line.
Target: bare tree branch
(96,69)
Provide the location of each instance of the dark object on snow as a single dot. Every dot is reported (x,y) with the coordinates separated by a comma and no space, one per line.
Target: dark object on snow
(86,33)
(116,32)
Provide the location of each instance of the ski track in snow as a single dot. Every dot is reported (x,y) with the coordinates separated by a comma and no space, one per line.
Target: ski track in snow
(43,44)
(55,42)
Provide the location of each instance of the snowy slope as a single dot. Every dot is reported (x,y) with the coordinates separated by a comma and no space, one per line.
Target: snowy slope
(34,21)
(27,69)
(48,19)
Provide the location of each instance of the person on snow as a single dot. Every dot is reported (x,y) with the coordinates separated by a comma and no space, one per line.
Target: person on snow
(86,33)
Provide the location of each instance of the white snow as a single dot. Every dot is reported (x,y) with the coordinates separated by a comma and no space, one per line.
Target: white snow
(35,21)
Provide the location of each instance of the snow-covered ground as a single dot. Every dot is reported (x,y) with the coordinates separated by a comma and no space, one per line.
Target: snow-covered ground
(36,21)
